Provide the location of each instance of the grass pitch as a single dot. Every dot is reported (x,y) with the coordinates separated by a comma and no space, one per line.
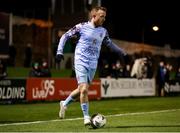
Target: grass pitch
(145,114)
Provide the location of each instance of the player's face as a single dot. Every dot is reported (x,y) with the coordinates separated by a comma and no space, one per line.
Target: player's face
(99,17)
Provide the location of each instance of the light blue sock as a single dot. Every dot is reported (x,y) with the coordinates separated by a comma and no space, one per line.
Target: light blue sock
(68,100)
(85,109)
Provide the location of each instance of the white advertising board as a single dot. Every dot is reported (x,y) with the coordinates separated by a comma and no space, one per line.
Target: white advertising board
(125,87)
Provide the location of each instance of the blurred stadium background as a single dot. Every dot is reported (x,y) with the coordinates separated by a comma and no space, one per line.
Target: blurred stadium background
(43,23)
(29,35)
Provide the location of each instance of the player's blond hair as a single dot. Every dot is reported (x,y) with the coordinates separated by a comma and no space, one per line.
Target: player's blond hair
(94,10)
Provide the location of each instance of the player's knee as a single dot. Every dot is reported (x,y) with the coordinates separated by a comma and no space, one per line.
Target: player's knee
(83,88)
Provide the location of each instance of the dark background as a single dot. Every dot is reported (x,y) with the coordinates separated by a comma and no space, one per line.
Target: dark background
(129,20)
(126,20)
(26,8)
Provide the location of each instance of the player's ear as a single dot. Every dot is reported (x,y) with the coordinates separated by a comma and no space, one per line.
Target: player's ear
(94,15)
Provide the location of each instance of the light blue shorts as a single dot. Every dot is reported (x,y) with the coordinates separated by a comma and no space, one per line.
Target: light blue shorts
(84,74)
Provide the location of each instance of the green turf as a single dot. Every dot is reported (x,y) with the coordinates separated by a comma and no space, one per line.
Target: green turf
(21,72)
(150,122)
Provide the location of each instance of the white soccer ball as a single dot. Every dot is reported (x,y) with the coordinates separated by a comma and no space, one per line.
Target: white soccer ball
(98,120)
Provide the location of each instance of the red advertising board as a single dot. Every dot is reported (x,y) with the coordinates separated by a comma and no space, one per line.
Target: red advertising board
(57,88)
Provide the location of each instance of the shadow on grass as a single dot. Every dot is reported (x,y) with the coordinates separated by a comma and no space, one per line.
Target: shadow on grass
(136,126)
(139,126)
(11,122)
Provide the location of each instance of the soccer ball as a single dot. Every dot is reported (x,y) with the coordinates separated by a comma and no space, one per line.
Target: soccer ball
(98,120)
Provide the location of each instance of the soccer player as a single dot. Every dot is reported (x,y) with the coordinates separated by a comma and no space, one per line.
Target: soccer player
(91,36)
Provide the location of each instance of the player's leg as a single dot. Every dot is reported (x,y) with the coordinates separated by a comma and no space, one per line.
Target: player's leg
(72,97)
(80,70)
(67,101)
(84,86)
(84,102)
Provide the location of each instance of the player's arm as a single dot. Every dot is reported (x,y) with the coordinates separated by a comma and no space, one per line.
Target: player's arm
(122,54)
(63,39)
(108,42)
(66,36)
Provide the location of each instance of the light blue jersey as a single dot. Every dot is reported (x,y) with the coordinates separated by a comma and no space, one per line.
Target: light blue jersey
(89,44)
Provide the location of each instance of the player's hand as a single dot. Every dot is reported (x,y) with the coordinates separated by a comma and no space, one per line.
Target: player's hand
(59,58)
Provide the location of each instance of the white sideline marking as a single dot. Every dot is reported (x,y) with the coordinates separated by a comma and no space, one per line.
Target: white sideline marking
(72,119)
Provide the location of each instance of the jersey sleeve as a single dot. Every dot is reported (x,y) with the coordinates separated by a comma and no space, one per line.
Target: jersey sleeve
(108,42)
(75,30)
